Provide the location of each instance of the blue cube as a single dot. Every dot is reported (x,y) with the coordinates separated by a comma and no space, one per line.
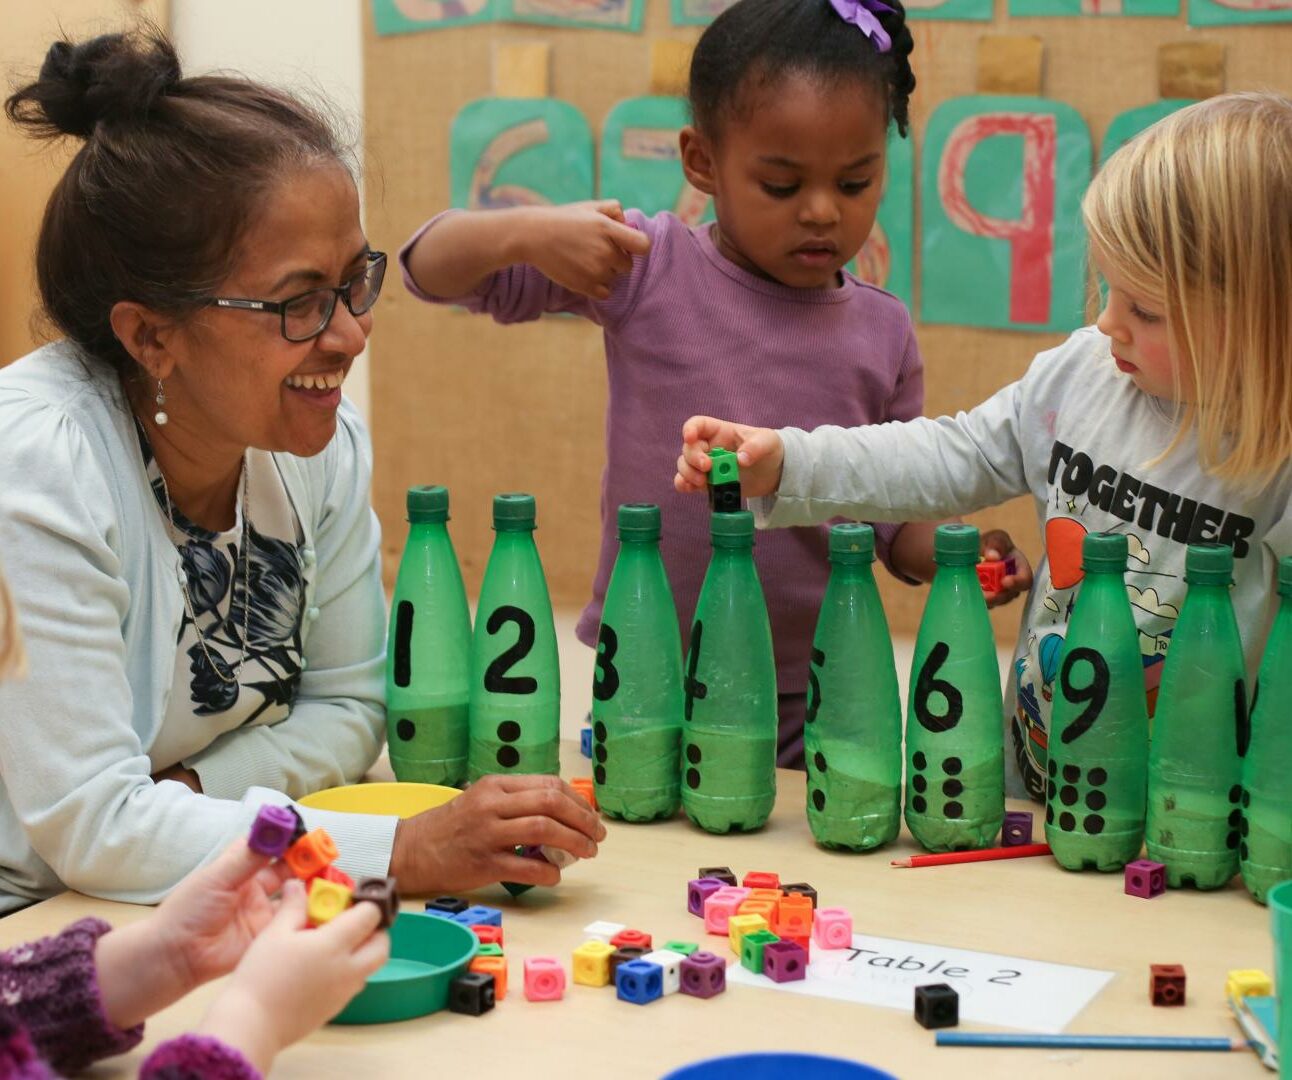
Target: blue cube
(639,981)
(585,742)
(479,915)
(436,913)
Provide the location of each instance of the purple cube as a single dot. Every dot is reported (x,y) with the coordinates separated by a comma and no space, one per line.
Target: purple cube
(1017,829)
(784,961)
(703,975)
(273,831)
(1145,878)
(698,891)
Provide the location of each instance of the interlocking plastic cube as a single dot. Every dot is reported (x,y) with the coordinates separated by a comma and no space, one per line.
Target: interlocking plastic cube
(585,742)
(703,974)
(671,964)
(495,966)
(1166,984)
(479,915)
(801,888)
(379,891)
(793,916)
(488,948)
(625,955)
(472,993)
(718,911)
(1248,983)
(766,908)
(435,913)
(832,928)
(752,946)
(937,1006)
(602,931)
(592,963)
(991,575)
(722,873)
(686,948)
(740,925)
(784,961)
(698,890)
(1017,828)
(638,939)
(273,831)
(584,786)
(639,982)
(337,876)
(327,900)
(488,935)
(1145,878)
(775,895)
(450,905)
(310,854)
(761,879)
(803,941)
(544,978)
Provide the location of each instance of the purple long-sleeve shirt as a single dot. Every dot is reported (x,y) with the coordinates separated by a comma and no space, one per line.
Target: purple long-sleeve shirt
(686,332)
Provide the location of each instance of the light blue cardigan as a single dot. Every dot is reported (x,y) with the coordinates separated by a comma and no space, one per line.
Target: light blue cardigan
(97,585)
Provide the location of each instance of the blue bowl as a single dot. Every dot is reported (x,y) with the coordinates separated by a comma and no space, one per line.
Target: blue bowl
(778,1067)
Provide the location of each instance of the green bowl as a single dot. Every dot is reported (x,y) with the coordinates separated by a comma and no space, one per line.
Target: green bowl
(426,954)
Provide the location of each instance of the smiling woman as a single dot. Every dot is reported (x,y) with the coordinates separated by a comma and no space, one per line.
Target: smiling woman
(185,510)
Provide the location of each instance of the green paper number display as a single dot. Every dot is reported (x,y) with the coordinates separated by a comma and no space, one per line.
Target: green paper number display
(1003,244)
(976,10)
(698,12)
(519,152)
(1230,12)
(887,257)
(1127,125)
(1095,8)
(641,164)
(407,16)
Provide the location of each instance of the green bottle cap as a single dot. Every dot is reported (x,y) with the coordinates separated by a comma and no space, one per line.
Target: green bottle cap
(1285,576)
(638,521)
(1209,564)
(733,530)
(1105,551)
(955,545)
(428,504)
(852,543)
(513,512)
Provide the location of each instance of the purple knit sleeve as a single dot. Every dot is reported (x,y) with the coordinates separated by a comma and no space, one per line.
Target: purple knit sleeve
(18,1057)
(51,989)
(196,1057)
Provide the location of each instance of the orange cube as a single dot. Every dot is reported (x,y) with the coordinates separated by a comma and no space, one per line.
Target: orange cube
(765,908)
(584,786)
(311,854)
(488,935)
(495,966)
(794,917)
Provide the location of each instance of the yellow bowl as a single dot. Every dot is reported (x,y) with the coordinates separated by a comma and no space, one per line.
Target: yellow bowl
(400,799)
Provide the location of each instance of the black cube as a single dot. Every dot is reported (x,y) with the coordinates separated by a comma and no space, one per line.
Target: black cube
(937,1006)
(472,993)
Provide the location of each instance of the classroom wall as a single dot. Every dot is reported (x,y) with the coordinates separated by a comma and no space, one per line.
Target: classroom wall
(485,409)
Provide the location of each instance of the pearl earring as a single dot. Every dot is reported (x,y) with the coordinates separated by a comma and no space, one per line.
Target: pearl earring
(159,417)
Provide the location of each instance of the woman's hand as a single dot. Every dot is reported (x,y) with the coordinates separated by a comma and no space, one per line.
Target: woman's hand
(759,452)
(583,246)
(472,839)
(293,979)
(996,545)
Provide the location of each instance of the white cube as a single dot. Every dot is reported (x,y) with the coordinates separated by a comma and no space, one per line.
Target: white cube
(602,931)
(671,962)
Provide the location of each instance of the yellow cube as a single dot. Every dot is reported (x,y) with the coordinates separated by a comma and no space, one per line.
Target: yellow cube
(592,963)
(740,925)
(1248,983)
(327,900)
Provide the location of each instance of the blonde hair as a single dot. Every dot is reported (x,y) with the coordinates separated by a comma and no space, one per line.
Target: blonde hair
(1196,212)
(13,661)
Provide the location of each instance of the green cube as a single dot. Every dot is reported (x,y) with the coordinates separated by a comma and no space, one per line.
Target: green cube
(751,949)
(489,948)
(726,469)
(686,948)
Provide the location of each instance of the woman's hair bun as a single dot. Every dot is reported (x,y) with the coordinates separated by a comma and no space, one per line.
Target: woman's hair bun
(113,79)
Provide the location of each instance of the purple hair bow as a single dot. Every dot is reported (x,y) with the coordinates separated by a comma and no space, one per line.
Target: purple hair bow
(861,13)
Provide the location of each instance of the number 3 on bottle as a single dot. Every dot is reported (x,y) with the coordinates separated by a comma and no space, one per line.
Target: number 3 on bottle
(606,681)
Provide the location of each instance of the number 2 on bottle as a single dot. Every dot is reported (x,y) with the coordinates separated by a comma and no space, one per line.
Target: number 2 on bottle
(496,679)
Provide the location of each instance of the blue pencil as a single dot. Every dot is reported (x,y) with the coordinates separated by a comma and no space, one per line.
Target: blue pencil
(1090,1042)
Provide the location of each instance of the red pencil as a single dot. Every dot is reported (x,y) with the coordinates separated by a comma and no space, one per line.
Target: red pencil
(1020,851)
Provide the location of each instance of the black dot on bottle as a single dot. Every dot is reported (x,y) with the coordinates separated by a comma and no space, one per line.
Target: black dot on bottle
(693,754)
(1242,851)
(509,731)
(919,760)
(693,778)
(508,756)
(1049,815)
(1235,793)
(818,799)
(952,788)
(952,766)
(1067,822)
(1097,776)
(919,784)
(953,810)
(1235,816)
(1093,824)
(1052,767)
(1053,789)
(599,774)
(599,731)
(1231,841)
(1247,799)
(918,804)
(1068,795)
(1096,800)
(1244,827)
(406,729)
(819,761)
(600,752)
(1071,773)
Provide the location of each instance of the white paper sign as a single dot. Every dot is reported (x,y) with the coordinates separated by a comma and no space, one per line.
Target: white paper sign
(1008,991)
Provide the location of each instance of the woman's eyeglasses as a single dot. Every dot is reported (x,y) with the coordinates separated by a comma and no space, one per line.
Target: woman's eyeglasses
(306,316)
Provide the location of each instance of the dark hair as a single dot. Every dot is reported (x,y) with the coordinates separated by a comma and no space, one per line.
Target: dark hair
(153,206)
(759,42)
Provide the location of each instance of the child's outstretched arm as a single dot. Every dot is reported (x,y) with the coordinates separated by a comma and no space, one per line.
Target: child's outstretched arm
(582,247)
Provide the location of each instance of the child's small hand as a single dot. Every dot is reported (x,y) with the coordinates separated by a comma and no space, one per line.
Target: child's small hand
(583,246)
(759,452)
(294,979)
(996,545)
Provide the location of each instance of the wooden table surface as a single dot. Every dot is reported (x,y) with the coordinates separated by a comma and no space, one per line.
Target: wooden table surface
(1024,907)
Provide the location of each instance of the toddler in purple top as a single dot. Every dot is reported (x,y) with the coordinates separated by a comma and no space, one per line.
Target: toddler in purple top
(755,314)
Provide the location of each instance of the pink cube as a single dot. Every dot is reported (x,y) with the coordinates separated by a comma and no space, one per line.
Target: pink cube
(703,975)
(832,928)
(784,961)
(273,831)
(1145,878)
(718,908)
(698,890)
(544,979)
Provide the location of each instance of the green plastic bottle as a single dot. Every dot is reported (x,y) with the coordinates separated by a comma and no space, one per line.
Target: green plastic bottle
(1098,752)
(637,698)
(515,672)
(1265,849)
(428,650)
(853,735)
(1194,768)
(955,745)
(729,727)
